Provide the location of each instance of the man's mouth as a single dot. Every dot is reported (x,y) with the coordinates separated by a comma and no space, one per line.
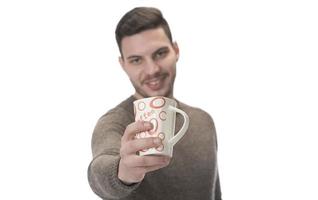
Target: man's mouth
(155,83)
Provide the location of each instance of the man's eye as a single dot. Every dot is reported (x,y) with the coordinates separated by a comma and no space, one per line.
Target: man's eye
(135,61)
(161,54)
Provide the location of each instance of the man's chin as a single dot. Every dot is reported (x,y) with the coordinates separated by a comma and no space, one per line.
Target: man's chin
(147,94)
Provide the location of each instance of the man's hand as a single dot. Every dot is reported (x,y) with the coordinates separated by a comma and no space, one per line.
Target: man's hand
(133,168)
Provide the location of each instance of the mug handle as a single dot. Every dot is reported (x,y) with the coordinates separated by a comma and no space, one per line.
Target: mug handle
(184,127)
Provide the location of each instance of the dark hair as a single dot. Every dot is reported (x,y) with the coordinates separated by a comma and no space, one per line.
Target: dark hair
(140,19)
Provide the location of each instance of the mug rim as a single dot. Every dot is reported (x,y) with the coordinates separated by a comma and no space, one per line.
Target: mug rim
(147,98)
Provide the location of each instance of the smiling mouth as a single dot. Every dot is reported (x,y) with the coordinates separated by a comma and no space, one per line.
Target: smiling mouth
(156,83)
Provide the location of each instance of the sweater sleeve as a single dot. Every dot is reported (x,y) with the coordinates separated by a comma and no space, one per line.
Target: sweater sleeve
(103,169)
(218,194)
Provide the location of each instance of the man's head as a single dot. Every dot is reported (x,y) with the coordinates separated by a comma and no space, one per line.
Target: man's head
(148,55)
(140,19)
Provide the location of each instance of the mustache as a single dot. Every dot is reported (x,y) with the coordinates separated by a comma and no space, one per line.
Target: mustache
(158,75)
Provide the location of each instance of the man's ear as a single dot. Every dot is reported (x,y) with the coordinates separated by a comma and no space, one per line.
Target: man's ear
(121,62)
(176,49)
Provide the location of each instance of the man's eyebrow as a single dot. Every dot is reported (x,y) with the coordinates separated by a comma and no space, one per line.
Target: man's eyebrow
(132,57)
(160,49)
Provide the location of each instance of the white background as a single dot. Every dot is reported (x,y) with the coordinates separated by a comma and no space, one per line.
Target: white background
(250,64)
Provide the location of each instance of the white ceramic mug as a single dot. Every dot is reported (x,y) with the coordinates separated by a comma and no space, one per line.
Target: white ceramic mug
(161,112)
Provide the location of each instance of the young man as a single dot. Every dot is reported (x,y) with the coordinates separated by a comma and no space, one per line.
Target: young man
(149,57)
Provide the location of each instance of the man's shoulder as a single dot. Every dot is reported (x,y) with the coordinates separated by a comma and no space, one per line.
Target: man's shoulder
(195,112)
(198,116)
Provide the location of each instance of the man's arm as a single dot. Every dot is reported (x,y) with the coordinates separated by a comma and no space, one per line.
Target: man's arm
(103,169)
(218,194)
(103,179)
(217,191)
(116,170)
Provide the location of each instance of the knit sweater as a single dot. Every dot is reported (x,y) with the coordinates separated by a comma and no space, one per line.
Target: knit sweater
(191,175)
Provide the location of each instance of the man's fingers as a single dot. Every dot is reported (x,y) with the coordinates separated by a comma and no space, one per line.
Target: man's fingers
(134,128)
(133,146)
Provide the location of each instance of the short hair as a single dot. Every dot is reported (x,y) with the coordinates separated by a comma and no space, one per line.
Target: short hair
(140,19)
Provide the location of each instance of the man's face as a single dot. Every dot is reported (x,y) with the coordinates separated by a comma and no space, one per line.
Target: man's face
(149,59)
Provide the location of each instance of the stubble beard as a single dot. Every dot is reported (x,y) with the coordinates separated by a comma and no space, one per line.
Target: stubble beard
(143,94)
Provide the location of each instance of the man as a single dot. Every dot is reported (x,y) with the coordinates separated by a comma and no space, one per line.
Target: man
(149,57)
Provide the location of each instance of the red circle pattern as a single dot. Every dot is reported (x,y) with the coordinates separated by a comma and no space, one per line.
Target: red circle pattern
(160,148)
(163,115)
(161,135)
(141,106)
(152,103)
(154,122)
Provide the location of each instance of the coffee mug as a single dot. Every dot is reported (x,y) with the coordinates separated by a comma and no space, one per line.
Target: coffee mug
(161,112)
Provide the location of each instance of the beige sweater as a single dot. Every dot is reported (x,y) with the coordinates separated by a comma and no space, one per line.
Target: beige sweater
(191,175)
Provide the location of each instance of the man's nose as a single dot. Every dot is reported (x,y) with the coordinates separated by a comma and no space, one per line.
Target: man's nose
(152,67)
